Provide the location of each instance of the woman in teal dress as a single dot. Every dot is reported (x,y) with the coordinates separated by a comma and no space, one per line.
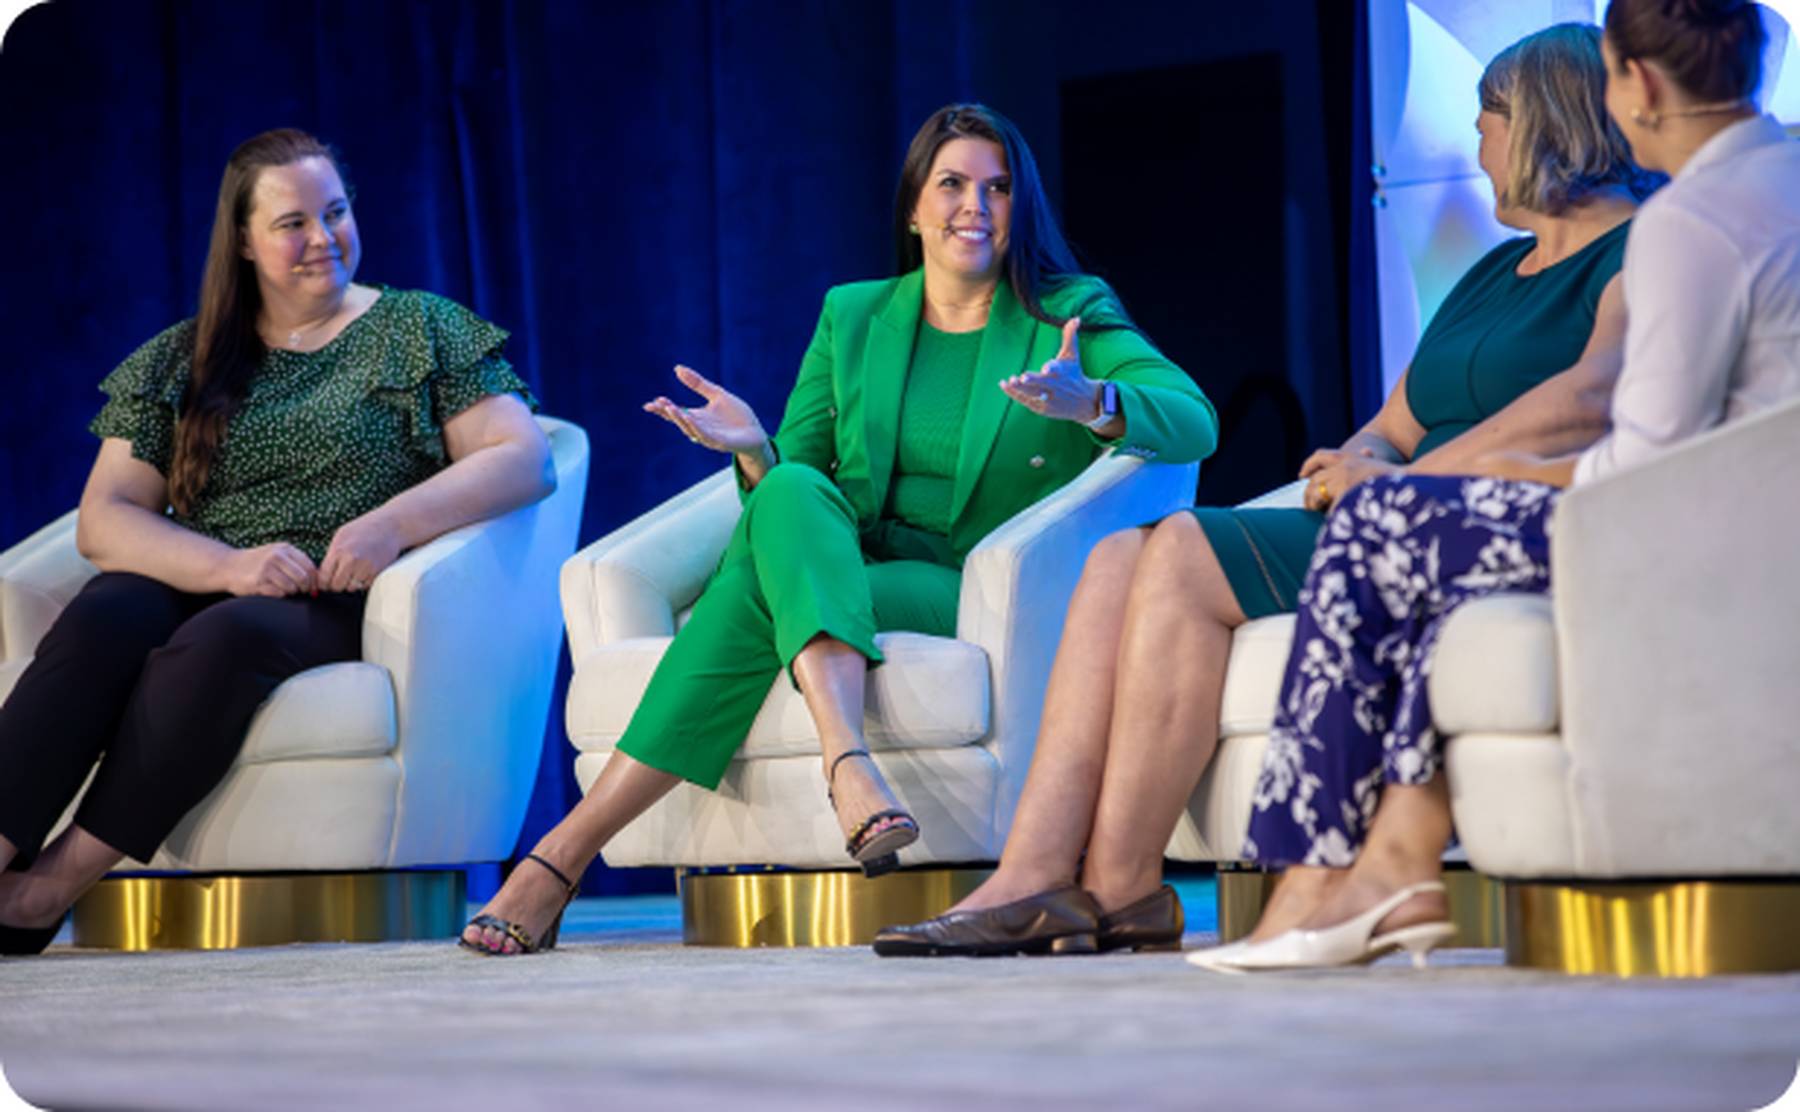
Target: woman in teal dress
(1520,355)
(259,465)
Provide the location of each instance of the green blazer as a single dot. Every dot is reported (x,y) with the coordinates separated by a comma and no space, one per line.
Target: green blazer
(844,414)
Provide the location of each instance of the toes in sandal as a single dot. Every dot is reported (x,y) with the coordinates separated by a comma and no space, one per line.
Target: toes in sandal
(519,935)
(877,851)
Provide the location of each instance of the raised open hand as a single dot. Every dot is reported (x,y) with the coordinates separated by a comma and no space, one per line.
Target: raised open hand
(724,424)
(1058,390)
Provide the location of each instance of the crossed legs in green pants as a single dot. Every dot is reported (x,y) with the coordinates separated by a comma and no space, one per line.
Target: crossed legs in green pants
(792,590)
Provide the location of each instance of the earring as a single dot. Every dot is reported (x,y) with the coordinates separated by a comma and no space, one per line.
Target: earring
(1648,120)
(913,228)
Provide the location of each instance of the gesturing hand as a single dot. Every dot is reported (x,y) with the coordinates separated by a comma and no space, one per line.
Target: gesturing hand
(1058,390)
(1334,472)
(271,570)
(724,424)
(360,550)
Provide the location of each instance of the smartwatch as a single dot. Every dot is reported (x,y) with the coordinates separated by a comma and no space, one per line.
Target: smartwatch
(1109,406)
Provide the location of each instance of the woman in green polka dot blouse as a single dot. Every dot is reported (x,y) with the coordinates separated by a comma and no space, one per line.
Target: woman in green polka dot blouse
(259,466)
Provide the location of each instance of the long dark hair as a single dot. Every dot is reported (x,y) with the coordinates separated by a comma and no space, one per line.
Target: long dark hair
(227,347)
(1037,257)
(1712,49)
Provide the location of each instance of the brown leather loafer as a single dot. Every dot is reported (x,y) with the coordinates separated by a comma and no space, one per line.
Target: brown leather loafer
(1152,923)
(1061,921)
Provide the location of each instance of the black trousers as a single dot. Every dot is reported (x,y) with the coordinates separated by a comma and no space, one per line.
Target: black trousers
(159,686)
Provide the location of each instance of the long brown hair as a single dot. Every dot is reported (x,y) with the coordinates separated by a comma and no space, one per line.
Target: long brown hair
(1037,257)
(227,347)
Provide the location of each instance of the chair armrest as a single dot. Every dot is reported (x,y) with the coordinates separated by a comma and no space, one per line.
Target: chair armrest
(38,577)
(468,628)
(1675,599)
(631,582)
(1017,583)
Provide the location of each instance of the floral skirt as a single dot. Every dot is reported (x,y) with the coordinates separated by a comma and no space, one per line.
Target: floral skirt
(1394,559)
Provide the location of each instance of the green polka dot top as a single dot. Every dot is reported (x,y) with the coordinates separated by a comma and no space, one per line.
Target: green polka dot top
(325,436)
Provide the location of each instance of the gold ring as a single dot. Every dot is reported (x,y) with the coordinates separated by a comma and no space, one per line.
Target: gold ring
(1324,492)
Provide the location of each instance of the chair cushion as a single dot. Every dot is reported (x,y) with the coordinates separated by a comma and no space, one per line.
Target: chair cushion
(931,693)
(1259,652)
(335,710)
(773,811)
(1494,669)
(1510,794)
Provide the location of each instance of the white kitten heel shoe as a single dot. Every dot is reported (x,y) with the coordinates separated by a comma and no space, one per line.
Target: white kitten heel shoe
(1352,942)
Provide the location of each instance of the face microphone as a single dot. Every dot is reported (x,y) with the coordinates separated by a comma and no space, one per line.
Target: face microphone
(298,268)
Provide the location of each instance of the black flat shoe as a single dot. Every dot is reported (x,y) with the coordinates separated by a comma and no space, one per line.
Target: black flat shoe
(519,935)
(1061,921)
(1152,923)
(18,942)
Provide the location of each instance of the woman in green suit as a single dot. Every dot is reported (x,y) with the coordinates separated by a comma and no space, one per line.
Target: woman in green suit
(917,426)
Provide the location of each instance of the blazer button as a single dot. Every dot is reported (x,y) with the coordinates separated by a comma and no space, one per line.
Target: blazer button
(832,411)
(1037,461)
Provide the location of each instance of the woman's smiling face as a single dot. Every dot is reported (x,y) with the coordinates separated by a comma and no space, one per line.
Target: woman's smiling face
(964,213)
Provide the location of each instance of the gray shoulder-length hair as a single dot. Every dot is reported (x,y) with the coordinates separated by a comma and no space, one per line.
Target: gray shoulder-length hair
(1551,87)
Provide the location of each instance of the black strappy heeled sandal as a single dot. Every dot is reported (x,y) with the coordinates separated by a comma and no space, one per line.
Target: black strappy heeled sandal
(19,942)
(527,944)
(877,851)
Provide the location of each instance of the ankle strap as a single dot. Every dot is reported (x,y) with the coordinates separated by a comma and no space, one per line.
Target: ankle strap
(554,871)
(831,773)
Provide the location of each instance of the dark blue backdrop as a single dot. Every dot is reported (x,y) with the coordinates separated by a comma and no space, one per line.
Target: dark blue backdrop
(628,185)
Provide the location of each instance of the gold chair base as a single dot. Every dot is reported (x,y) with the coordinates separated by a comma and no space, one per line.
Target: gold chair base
(1475,905)
(269,909)
(768,908)
(1692,928)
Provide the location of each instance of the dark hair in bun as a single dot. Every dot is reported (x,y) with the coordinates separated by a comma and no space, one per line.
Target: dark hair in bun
(1712,49)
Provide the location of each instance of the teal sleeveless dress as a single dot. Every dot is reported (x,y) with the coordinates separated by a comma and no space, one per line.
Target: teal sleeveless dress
(1495,337)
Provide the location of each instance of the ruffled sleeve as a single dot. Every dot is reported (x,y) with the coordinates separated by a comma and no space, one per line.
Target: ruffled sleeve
(144,396)
(440,360)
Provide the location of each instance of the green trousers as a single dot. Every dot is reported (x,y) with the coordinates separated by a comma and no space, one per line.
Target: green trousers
(795,568)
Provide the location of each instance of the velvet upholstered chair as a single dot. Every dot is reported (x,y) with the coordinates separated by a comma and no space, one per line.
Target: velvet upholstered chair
(361,785)
(953,721)
(1624,755)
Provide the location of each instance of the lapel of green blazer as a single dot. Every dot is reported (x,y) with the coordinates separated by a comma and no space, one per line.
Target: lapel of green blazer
(1005,345)
(886,355)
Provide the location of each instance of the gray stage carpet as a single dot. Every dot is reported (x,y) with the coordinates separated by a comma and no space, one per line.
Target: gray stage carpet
(623,1016)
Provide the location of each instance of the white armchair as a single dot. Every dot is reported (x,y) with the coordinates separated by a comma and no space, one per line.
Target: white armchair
(422,753)
(1638,725)
(1658,732)
(953,720)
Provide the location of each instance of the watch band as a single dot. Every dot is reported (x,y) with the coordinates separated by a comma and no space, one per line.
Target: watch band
(1109,406)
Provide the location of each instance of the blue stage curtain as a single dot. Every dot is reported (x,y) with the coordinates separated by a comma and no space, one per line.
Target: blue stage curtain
(623,185)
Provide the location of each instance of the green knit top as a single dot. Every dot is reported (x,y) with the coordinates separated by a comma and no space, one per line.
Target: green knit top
(931,424)
(323,436)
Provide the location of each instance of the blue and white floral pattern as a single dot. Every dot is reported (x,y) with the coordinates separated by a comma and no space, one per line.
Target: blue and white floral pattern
(1394,559)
